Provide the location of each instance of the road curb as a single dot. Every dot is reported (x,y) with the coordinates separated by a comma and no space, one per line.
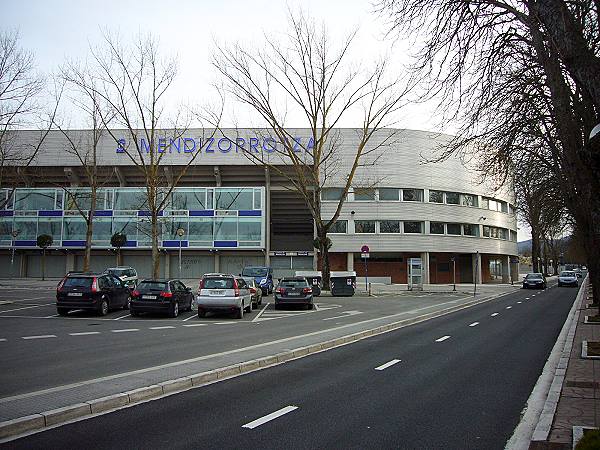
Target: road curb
(13,429)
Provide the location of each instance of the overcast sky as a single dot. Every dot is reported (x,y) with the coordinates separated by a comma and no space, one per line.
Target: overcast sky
(60,29)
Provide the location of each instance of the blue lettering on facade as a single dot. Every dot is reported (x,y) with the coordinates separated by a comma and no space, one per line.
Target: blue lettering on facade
(209,148)
(162,145)
(241,143)
(297,144)
(191,148)
(269,148)
(254,144)
(224,150)
(175,144)
(144,145)
(121,147)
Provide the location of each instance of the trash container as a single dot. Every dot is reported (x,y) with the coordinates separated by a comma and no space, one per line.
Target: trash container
(343,284)
(314,279)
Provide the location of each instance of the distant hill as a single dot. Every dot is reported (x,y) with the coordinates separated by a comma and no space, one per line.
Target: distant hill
(524,246)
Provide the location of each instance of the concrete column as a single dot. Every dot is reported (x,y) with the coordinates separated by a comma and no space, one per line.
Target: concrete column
(267,210)
(425,269)
(23,269)
(514,272)
(70,264)
(476,264)
(217,262)
(168,265)
(316,252)
(506,269)
(350,261)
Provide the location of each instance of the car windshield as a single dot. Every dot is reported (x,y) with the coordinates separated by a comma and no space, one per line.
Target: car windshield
(117,272)
(567,274)
(534,276)
(151,286)
(78,282)
(254,272)
(293,283)
(218,283)
(250,281)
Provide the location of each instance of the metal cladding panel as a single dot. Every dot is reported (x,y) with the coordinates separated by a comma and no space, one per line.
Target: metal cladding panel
(235,263)
(55,266)
(192,266)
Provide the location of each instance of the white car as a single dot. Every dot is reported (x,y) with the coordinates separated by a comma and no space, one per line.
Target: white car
(126,274)
(567,278)
(224,293)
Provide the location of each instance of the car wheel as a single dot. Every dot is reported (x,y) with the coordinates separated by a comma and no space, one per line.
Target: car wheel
(62,311)
(103,307)
(249,307)
(175,310)
(260,300)
(240,313)
(127,304)
(310,306)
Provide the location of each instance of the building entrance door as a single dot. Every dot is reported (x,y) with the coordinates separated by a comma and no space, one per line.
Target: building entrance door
(415,274)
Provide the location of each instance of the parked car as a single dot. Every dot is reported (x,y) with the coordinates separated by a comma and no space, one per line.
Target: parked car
(255,290)
(534,280)
(262,275)
(161,296)
(219,292)
(126,274)
(91,292)
(578,272)
(293,291)
(567,278)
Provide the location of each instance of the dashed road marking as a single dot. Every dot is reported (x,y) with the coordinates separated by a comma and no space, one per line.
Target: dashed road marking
(195,325)
(526,298)
(474,324)
(167,327)
(224,323)
(518,303)
(388,364)
(42,336)
(509,307)
(125,330)
(533,295)
(442,339)
(495,314)
(85,333)
(269,417)
(2,340)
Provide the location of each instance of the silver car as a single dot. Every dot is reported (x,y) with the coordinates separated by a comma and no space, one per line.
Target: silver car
(225,293)
(567,278)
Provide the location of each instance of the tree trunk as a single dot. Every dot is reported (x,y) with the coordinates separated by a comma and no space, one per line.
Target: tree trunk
(535,250)
(324,249)
(87,254)
(155,252)
(43,264)
(118,256)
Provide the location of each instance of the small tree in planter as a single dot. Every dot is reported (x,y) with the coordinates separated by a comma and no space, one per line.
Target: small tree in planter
(44,241)
(118,240)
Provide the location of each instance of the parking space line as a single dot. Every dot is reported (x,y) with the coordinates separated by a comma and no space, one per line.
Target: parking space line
(474,324)
(269,417)
(442,339)
(53,315)
(43,336)
(224,323)
(122,317)
(125,330)
(189,318)
(196,325)
(85,333)
(2,340)
(519,303)
(162,328)
(509,307)
(388,364)
(261,312)
(25,307)
(495,314)
(526,298)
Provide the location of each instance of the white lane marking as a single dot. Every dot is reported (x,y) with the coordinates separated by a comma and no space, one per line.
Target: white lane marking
(509,307)
(388,364)
(196,325)
(24,307)
(442,339)
(346,314)
(42,336)
(189,318)
(495,314)
(85,333)
(53,315)
(518,303)
(2,340)
(225,323)
(162,328)
(122,317)
(533,295)
(260,313)
(125,330)
(526,298)
(474,324)
(269,417)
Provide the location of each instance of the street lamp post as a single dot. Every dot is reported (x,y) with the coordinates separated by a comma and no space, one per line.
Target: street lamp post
(180,233)
(453,259)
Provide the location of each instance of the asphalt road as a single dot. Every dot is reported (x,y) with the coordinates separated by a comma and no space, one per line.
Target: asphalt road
(461,382)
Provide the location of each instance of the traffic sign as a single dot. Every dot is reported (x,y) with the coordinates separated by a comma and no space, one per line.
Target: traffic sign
(364,249)
(364,255)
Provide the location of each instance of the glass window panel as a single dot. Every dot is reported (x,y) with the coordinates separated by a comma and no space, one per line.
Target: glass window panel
(35,199)
(187,199)
(340,226)
(485,203)
(201,229)
(453,198)
(257,198)
(6,226)
(27,228)
(130,199)
(171,226)
(389,226)
(226,229)
(364,194)
(413,227)
(364,226)
(331,193)
(233,199)
(249,229)
(436,228)
(453,228)
(501,233)
(493,232)
(74,228)
(144,231)
(503,207)
(412,195)
(468,200)
(470,229)
(102,229)
(389,194)
(486,231)
(436,197)
(127,226)
(83,199)
(59,199)
(51,226)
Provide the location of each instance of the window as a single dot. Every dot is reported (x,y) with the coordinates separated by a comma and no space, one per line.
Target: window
(389,226)
(125,225)
(82,199)
(453,228)
(412,195)
(249,229)
(257,198)
(34,199)
(486,231)
(436,228)
(27,228)
(511,209)
(6,224)
(485,203)
(413,227)
(52,227)
(470,230)
(233,199)
(502,233)
(130,200)
(194,199)
(469,200)
(226,229)
(332,194)
(513,236)
(436,197)
(389,194)
(171,226)
(340,226)
(201,229)
(364,226)
(453,198)
(363,194)
(503,207)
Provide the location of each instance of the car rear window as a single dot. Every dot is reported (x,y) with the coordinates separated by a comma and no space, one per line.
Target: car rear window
(254,272)
(534,276)
(151,286)
(567,274)
(294,283)
(84,282)
(218,283)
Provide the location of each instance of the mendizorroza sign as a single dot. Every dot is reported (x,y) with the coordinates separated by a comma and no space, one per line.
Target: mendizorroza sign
(222,145)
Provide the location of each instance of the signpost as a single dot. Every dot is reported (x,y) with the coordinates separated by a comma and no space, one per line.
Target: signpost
(453,259)
(364,254)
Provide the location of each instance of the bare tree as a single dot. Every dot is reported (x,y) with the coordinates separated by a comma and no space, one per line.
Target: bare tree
(498,67)
(130,84)
(305,74)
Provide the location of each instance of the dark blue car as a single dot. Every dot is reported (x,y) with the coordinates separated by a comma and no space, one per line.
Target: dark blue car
(262,275)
